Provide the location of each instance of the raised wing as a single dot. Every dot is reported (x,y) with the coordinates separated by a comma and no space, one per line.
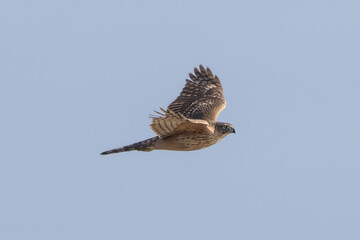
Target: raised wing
(201,98)
(170,123)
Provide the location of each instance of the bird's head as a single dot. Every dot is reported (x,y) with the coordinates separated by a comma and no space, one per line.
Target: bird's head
(224,128)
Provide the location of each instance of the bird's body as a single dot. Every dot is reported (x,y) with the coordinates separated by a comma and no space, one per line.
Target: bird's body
(189,123)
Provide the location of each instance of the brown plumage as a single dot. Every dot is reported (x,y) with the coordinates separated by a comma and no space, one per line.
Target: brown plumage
(189,123)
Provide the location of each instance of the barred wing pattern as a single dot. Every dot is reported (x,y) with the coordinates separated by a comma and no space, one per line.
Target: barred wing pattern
(169,123)
(201,98)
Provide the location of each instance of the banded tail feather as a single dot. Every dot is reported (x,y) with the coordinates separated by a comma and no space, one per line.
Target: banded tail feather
(145,145)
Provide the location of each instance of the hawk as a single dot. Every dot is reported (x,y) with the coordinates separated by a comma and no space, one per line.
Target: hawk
(189,123)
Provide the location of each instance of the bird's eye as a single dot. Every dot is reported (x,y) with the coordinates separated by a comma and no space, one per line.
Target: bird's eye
(224,127)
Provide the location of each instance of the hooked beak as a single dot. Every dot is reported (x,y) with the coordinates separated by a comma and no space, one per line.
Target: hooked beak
(233,130)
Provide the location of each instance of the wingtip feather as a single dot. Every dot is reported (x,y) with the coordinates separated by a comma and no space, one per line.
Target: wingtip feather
(202,69)
(192,76)
(197,72)
(209,72)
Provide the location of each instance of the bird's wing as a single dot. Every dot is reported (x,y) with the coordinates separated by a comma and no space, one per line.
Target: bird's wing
(169,123)
(201,98)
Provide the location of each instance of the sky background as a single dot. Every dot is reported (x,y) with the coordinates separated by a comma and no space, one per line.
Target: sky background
(81,77)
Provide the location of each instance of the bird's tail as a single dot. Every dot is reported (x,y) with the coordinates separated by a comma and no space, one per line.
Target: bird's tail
(145,145)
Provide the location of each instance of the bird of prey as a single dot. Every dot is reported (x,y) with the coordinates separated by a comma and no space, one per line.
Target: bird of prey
(189,123)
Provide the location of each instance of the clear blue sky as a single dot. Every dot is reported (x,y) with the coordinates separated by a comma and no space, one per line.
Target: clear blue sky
(81,77)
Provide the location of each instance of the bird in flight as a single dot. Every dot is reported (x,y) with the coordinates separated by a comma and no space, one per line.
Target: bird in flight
(189,123)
